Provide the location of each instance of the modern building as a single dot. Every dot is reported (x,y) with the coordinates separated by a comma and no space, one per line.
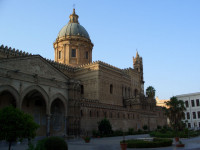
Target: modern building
(192,113)
(71,94)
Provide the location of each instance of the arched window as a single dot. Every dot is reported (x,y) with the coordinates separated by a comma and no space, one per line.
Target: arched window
(118,116)
(59,55)
(110,114)
(81,113)
(105,114)
(111,89)
(136,92)
(129,91)
(97,114)
(90,113)
(82,89)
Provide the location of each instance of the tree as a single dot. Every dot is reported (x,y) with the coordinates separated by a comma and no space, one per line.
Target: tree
(150,91)
(105,127)
(175,113)
(16,125)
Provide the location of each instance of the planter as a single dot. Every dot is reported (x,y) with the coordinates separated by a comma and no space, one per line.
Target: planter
(123,146)
(176,139)
(180,145)
(87,141)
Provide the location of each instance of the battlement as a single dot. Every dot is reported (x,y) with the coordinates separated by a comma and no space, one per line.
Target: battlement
(60,65)
(12,52)
(124,71)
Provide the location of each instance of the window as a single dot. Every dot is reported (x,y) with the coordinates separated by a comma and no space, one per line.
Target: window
(186,104)
(82,89)
(199,124)
(197,102)
(110,115)
(86,55)
(97,114)
(192,101)
(189,125)
(111,89)
(124,116)
(59,54)
(81,113)
(90,113)
(194,115)
(198,114)
(188,115)
(105,114)
(73,52)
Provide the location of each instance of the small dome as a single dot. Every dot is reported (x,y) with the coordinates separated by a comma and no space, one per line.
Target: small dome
(73,29)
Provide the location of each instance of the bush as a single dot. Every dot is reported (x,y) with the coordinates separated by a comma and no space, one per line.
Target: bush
(145,127)
(105,127)
(118,133)
(52,143)
(157,142)
(130,131)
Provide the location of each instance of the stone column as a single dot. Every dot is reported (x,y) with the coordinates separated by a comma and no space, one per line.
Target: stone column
(65,129)
(48,125)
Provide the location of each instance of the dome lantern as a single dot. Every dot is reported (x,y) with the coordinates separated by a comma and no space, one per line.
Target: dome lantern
(73,17)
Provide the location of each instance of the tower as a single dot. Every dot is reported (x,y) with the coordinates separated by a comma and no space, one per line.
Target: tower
(138,66)
(73,45)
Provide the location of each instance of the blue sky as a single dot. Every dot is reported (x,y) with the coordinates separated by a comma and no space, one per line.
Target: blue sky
(166,34)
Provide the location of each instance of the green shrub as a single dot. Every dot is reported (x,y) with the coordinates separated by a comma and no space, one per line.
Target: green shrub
(130,131)
(52,143)
(157,142)
(118,133)
(105,127)
(145,127)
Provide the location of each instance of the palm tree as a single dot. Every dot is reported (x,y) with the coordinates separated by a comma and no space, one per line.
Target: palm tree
(150,91)
(175,113)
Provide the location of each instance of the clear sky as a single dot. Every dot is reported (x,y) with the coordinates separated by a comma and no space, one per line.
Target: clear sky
(166,34)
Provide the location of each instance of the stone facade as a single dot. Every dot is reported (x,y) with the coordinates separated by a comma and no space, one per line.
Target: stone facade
(71,94)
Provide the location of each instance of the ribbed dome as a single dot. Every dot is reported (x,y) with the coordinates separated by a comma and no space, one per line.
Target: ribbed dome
(73,29)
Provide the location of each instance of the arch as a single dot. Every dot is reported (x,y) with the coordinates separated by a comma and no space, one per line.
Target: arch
(13,92)
(38,89)
(61,98)
(136,92)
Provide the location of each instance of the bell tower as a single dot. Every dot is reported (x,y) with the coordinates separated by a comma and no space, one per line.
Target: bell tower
(138,67)
(73,45)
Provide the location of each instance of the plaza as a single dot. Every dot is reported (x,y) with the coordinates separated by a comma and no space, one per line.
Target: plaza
(111,143)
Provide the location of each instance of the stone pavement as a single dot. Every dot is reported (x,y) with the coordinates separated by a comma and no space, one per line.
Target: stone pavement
(112,143)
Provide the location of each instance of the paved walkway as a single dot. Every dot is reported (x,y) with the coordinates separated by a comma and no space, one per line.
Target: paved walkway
(112,143)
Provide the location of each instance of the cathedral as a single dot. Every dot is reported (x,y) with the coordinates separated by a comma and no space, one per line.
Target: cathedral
(69,95)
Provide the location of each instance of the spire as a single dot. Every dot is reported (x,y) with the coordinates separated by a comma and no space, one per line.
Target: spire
(137,55)
(73,17)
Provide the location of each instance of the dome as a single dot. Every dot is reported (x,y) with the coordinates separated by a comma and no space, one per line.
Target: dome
(73,29)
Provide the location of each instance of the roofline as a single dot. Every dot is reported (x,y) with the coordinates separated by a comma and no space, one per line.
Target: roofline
(189,94)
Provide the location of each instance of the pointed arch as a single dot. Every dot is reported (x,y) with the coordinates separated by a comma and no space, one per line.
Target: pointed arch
(38,89)
(13,92)
(62,99)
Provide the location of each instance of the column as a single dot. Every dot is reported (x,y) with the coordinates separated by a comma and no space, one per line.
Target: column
(65,130)
(48,125)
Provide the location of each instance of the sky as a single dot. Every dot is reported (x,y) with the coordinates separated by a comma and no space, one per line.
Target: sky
(166,34)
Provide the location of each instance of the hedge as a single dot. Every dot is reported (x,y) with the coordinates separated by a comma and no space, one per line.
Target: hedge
(156,142)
